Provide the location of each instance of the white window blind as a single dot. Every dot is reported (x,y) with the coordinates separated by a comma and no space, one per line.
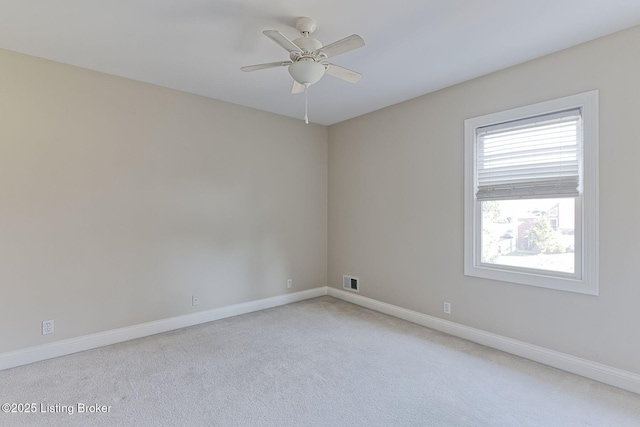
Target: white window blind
(537,157)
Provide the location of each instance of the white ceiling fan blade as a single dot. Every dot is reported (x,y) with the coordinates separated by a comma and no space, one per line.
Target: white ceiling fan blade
(346,44)
(342,73)
(297,87)
(280,38)
(267,65)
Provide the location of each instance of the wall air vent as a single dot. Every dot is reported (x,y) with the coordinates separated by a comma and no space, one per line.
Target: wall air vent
(351,283)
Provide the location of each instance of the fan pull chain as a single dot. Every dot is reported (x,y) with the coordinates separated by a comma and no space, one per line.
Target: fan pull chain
(306,103)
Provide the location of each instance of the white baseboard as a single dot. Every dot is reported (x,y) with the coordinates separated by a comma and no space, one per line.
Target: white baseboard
(593,370)
(596,371)
(100,339)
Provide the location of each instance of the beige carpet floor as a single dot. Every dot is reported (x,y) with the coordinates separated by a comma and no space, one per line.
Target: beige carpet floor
(321,362)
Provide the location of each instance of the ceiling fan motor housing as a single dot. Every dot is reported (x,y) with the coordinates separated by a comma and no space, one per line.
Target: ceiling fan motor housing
(307,44)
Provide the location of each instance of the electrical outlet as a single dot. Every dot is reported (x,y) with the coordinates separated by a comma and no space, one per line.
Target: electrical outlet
(289,284)
(47,327)
(447,307)
(194,300)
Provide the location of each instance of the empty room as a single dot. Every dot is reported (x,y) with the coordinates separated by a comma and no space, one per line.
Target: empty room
(337,213)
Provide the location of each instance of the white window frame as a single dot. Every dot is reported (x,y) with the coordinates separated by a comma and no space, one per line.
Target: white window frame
(585,280)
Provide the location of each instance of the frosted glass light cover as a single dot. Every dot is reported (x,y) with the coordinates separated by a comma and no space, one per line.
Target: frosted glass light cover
(306,72)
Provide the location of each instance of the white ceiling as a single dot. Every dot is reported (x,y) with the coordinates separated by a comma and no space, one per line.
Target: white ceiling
(412,46)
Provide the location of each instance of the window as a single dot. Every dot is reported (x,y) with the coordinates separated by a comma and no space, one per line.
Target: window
(531,195)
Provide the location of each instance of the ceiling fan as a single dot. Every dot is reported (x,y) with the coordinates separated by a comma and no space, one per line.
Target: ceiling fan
(307,57)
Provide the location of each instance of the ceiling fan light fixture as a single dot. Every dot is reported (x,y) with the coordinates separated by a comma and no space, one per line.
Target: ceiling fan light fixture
(306,71)
(307,56)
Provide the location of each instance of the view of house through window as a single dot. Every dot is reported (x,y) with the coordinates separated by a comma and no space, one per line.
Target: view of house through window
(531,233)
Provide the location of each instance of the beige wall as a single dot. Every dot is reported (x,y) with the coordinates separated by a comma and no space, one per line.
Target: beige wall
(119,200)
(396,205)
